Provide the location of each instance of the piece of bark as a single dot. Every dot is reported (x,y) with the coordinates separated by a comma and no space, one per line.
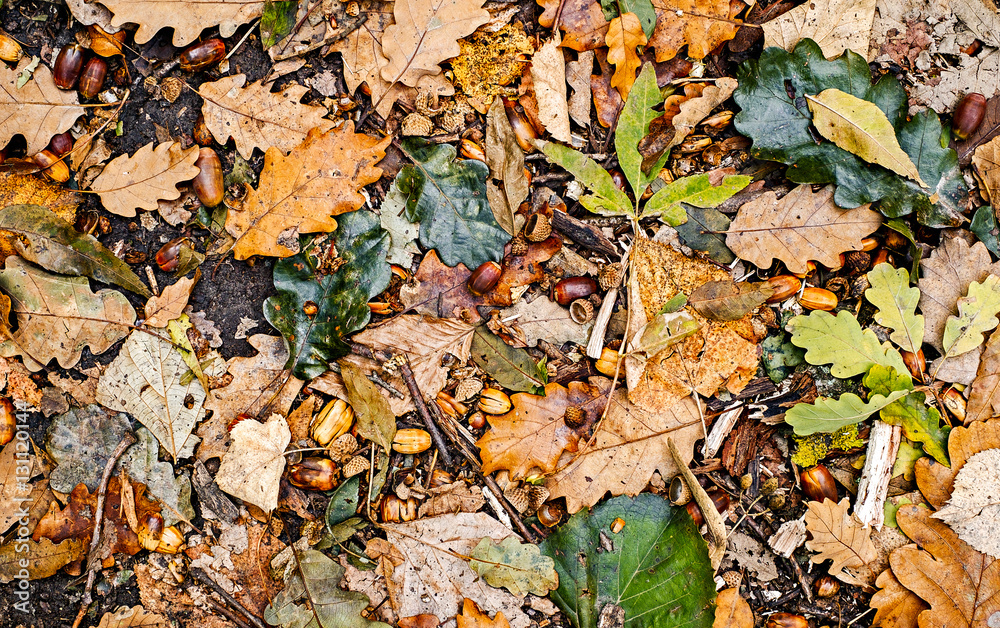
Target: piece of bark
(883,444)
(587,236)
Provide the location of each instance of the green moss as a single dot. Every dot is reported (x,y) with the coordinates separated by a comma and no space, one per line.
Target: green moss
(811,449)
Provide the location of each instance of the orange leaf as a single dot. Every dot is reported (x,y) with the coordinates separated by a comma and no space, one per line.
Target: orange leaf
(624,37)
(732,611)
(700,24)
(472,617)
(935,480)
(898,607)
(583,22)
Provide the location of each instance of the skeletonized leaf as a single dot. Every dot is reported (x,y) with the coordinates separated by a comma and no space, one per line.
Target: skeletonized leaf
(799,227)
(976,315)
(860,127)
(840,537)
(518,567)
(829,415)
(150,175)
(729,301)
(251,469)
(896,301)
(840,341)
(38,110)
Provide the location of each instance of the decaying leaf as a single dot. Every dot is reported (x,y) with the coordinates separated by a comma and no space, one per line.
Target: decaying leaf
(701,24)
(151,174)
(506,161)
(986,161)
(543,319)
(80,441)
(301,192)
(251,469)
(838,536)
(624,36)
(835,25)
(135,617)
(799,227)
(58,316)
(518,567)
(728,301)
(548,74)
(582,22)
(38,110)
(44,557)
(972,512)
(152,15)
(256,118)
(984,395)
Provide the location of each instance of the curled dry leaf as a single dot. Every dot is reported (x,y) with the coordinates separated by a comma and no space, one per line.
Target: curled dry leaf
(251,469)
(799,227)
(38,110)
(256,118)
(506,161)
(838,536)
(984,395)
(151,174)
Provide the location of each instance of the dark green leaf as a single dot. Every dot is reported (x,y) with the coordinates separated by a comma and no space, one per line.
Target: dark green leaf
(277,21)
(984,225)
(779,357)
(633,125)
(512,368)
(705,230)
(920,423)
(341,297)
(657,568)
(643,10)
(448,199)
(775,116)
(344,502)
(55,245)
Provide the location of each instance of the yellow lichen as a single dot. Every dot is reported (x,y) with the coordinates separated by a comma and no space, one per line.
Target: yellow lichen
(490,60)
(813,448)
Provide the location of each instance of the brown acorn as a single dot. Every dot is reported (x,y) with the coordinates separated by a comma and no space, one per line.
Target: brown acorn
(484,278)
(524,133)
(818,483)
(208,183)
(202,54)
(915,363)
(786,620)
(53,167)
(784,286)
(826,586)
(202,136)
(572,288)
(168,257)
(92,77)
(313,474)
(818,299)
(66,69)
(969,115)
(61,144)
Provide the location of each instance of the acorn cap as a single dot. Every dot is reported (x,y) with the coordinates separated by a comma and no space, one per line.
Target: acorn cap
(610,275)
(537,228)
(354,466)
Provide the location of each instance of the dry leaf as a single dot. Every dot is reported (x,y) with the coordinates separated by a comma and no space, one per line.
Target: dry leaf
(472,617)
(543,319)
(507,186)
(134,617)
(726,300)
(578,77)
(170,304)
(607,101)
(256,118)
(139,181)
(548,74)
(838,536)
(836,25)
(986,161)
(624,37)
(426,33)
(898,607)
(692,110)
(452,498)
(732,611)
(434,576)
(28,189)
(533,435)
(38,110)
(701,24)
(961,585)
(187,21)
(802,226)
(16,382)
(145,381)
(44,557)
(57,316)
(582,21)
(984,395)
(301,192)
(628,446)
(260,384)
(251,469)
(972,512)
(945,279)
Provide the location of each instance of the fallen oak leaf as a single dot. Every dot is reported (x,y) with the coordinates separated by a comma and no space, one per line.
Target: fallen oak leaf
(152,15)
(835,25)
(149,175)
(44,557)
(548,75)
(701,24)
(170,304)
(582,21)
(518,567)
(897,605)
(624,36)
(38,110)
(472,617)
(135,617)
(840,537)
(729,301)
(251,469)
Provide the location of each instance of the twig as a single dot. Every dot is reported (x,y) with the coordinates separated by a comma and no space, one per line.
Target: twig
(127,441)
(418,401)
(205,579)
(225,612)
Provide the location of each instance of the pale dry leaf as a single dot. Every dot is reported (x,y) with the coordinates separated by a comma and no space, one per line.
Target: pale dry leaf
(799,227)
(700,24)
(836,25)
(16,383)
(507,186)
(135,617)
(426,33)
(624,36)
(57,316)
(898,607)
(945,279)
(452,498)
(984,395)
(162,309)
(145,381)
(751,555)
(251,469)
(959,369)
(578,77)
(693,110)
(260,384)
(256,118)
(548,73)
(986,161)
(15,487)
(981,18)
(628,446)
(544,319)
(38,110)
(936,481)
(150,175)
(973,511)
(434,578)
(840,537)
(961,585)
(187,20)
(319,179)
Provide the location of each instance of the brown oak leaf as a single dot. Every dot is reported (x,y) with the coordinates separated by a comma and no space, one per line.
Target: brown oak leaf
(44,557)
(187,20)
(799,227)
(898,607)
(135,617)
(984,395)
(840,537)
(700,24)
(937,481)
(624,37)
(732,611)
(582,21)
(162,309)
(534,433)
(256,118)
(301,192)
(607,100)
(151,174)
(629,444)
(38,110)
(472,617)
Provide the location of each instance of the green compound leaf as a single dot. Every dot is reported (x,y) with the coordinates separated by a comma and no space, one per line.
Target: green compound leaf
(920,423)
(448,199)
(976,315)
(518,567)
(775,115)
(896,301)
(512,367)
(657,568)
(633,125)
(607,199)
(694,190)
(829,415)
(840,341)
(341,297)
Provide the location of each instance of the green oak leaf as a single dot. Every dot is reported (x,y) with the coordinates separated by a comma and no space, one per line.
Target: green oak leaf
(840,341)
(513,368)
(976,316)
(656,569)
(920,423)
(518,567)
(775,115)
(448,198)
(829,415)
(341,297)
(896,301)
(633,125)
(694,190)
(607,199)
